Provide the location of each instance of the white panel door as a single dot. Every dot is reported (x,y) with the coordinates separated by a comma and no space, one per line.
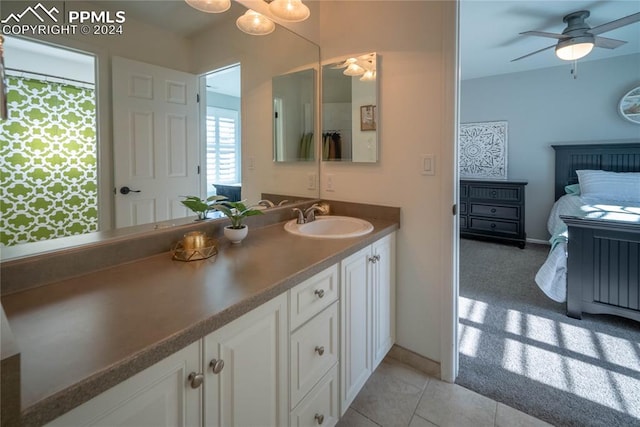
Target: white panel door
(159,396)
(251,389)
(383,294)
(156,147)
(355,361)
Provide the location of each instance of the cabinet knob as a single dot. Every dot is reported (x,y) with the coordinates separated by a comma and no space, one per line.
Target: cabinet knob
(319,292)
(195,380)
(320,351)
(216,365)
(372,259)
(377,257)
(319,418)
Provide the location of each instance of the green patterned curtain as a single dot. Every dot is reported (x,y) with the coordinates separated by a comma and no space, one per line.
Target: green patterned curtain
(48,161)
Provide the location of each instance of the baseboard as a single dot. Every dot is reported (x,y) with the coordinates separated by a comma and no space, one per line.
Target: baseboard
(416,361)
(539,242)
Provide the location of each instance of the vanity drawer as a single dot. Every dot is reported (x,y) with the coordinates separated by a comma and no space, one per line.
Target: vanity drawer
(502,212)
(320,407)
(312,296)
(313,351)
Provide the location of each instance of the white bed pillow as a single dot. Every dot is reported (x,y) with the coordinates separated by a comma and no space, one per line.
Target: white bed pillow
(604,185)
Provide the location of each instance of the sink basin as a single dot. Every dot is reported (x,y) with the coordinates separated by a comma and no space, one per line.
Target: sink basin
(330,227)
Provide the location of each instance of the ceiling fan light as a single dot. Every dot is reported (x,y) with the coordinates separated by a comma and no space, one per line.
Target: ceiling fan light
(255,23)
(289,10)
(210,6)
(353,70)
(575,48)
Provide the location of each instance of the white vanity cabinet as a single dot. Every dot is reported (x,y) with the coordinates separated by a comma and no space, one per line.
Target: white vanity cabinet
(161,395)
(246,374)
(314,351)
(367,300)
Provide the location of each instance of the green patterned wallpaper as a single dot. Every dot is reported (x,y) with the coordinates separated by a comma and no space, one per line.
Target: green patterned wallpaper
(48,161)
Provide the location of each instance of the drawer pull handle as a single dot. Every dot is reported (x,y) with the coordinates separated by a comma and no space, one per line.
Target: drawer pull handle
(216,365)
(319,292)
(195,380)
(320,351)
(319,418)
(493,225)
(493,210)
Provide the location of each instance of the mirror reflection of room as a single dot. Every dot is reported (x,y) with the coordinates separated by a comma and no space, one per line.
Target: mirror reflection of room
(222,121)
(49,144)
(349,111)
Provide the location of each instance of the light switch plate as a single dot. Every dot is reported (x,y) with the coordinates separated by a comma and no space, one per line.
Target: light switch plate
(428,164)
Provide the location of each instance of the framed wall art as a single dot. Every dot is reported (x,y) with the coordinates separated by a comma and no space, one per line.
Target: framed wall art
(629,106)
(483,150)
(368,117)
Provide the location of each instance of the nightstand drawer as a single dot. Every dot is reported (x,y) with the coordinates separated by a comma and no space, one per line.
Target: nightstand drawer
(507,194)
(502,212)
(502,227)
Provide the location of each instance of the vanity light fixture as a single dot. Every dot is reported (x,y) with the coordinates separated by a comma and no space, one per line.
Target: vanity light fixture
(210,6)
(368,76)
(255,23)
(289,10)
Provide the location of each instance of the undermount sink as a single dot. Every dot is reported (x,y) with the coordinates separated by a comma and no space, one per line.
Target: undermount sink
(330,227)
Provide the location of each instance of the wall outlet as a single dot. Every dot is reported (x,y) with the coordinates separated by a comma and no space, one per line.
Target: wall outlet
(311,181)
(329,186)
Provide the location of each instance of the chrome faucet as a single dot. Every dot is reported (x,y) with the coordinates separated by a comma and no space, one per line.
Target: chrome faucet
(266,203)
(283,202)
(309,214)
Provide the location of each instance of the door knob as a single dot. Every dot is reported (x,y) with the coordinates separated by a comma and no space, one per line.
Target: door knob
(127,190)
(216,365)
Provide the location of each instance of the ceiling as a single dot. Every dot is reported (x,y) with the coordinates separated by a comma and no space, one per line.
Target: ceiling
(489,33)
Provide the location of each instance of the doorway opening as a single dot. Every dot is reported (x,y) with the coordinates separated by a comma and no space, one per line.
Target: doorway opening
(222,148)
(48,144)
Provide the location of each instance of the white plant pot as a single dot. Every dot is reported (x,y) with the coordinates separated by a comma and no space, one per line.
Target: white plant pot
(235,235)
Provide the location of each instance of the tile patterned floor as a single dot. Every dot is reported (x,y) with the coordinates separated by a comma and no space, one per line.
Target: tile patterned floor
(396,395)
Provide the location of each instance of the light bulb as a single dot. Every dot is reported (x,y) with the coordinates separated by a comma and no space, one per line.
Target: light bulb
(353,70)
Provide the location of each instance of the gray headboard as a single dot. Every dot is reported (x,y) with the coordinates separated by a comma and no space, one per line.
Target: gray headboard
(608,157)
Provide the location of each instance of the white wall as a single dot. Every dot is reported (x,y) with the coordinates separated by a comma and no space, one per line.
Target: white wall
(413,120)
(545,107)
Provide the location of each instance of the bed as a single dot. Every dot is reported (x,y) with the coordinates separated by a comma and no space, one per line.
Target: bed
(594,259)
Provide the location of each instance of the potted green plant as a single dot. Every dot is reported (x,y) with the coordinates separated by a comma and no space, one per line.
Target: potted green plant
(236,212)
(202,207)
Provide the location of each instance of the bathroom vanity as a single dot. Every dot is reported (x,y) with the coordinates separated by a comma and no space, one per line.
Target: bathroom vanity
(280,330)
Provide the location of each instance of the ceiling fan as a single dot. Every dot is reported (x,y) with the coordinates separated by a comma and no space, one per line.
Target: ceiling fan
(578,39)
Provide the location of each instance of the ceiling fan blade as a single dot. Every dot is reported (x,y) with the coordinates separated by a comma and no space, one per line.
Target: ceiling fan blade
(545,34)
(533,53)
(615,24)
(608,43)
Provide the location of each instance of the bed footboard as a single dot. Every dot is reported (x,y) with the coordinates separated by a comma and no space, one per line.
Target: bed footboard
(603,268)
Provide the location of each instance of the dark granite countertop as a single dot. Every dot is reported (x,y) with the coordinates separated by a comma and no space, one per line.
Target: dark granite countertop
(80,336)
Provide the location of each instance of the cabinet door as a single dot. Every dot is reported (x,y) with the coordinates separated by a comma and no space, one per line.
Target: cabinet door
(251,388)
(383,295)
(160,395)
(355,310)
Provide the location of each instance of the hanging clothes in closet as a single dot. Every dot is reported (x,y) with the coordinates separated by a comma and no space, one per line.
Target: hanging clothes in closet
(331,146)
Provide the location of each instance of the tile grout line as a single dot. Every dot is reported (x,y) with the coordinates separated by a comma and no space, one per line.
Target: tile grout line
(354,409)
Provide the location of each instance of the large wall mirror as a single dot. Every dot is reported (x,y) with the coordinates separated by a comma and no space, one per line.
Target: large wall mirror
(167,34)
(350,109)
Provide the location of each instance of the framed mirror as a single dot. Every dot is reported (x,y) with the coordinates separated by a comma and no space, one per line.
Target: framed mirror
(350,109)
(176,36)
(294,117)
